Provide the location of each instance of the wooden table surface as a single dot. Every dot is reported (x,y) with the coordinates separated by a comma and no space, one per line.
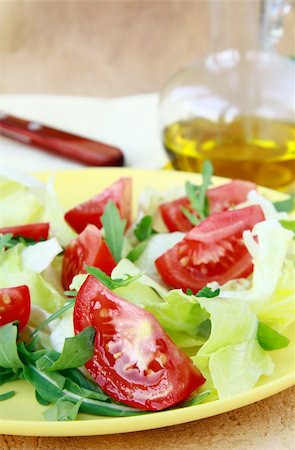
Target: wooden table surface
(114,48)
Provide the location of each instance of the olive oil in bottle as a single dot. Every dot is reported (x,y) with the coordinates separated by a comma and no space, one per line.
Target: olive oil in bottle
(235,104)
(251,148)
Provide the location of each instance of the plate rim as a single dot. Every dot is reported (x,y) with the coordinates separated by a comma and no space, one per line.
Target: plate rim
(138,423)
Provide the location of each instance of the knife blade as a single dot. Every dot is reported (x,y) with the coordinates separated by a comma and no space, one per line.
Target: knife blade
(61,143)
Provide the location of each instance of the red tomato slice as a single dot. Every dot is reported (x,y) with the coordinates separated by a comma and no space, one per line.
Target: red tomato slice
(211,251)
(221,198)
(134,360)
(15,304)
(36,231)
(92,210)
(89,248)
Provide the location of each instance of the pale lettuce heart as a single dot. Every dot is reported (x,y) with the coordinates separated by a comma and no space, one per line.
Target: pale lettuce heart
(271,290)
(18,204)
(157,245)
(12,273)
(126,267)
(54,214)
(25,200)
(38,257)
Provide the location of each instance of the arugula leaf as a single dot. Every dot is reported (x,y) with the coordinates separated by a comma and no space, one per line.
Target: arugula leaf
(9,358)
(288,224)
(207,292)
(7,240)
(62,410)
(137,251)
(196,400)
(269,339)
(72,293)
(204,329)
(191,217)
(110,282)
(69,304)
(7,395)
(144,229)
(4,240)
(77,350)
(114,228)
(285,205)
(41,400)
(204,292)
(7,375)
(197,195)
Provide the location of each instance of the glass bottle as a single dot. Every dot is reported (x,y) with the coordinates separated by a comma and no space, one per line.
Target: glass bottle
(236,106)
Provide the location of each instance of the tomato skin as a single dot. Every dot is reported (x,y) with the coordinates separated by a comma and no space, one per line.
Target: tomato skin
(15,304)
(134,360)
(36,231)
(89,248)
(211,251)
(90,212)
(221,198)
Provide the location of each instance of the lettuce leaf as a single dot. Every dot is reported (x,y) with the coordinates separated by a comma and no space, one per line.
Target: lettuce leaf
(13,273)
(25,200)
(271,290)
(156,246)
(231,359)
(18,204)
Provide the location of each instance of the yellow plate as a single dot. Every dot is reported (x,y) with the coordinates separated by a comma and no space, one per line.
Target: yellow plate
(22,415)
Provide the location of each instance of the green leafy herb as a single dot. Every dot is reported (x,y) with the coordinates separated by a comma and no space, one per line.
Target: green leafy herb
(196,400)
(190,216)
(62,410)
(110,282)
(9,358)
(114,228)
(7,375)
(197,195)
(288,224)
(69,304)
(77,350)
(7,240)
(205,292)
(269,339)
(41,400)
(285,205)
(72,293)
(7,395)
(4,240)
(204,329)
(144,229)
(137,251)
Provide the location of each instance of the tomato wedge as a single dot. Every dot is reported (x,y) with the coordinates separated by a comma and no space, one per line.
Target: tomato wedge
(134,360)
(36,231)
(221,198)
(211,251)
(92,210)
(89,248)
(15,305)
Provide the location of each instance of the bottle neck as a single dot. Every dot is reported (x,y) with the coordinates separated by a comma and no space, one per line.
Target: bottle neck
(235,24)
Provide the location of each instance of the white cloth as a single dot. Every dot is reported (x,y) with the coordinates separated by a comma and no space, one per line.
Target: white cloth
(130,123)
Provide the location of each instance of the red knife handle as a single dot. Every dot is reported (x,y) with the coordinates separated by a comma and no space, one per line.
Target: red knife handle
(61,143)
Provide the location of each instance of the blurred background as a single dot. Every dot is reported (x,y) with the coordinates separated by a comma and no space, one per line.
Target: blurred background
(103,48)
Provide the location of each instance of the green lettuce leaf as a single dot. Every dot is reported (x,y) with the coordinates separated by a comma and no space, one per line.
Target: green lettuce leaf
(231,359)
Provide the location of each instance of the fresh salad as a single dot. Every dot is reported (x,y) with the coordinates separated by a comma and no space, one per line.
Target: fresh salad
(110,315)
